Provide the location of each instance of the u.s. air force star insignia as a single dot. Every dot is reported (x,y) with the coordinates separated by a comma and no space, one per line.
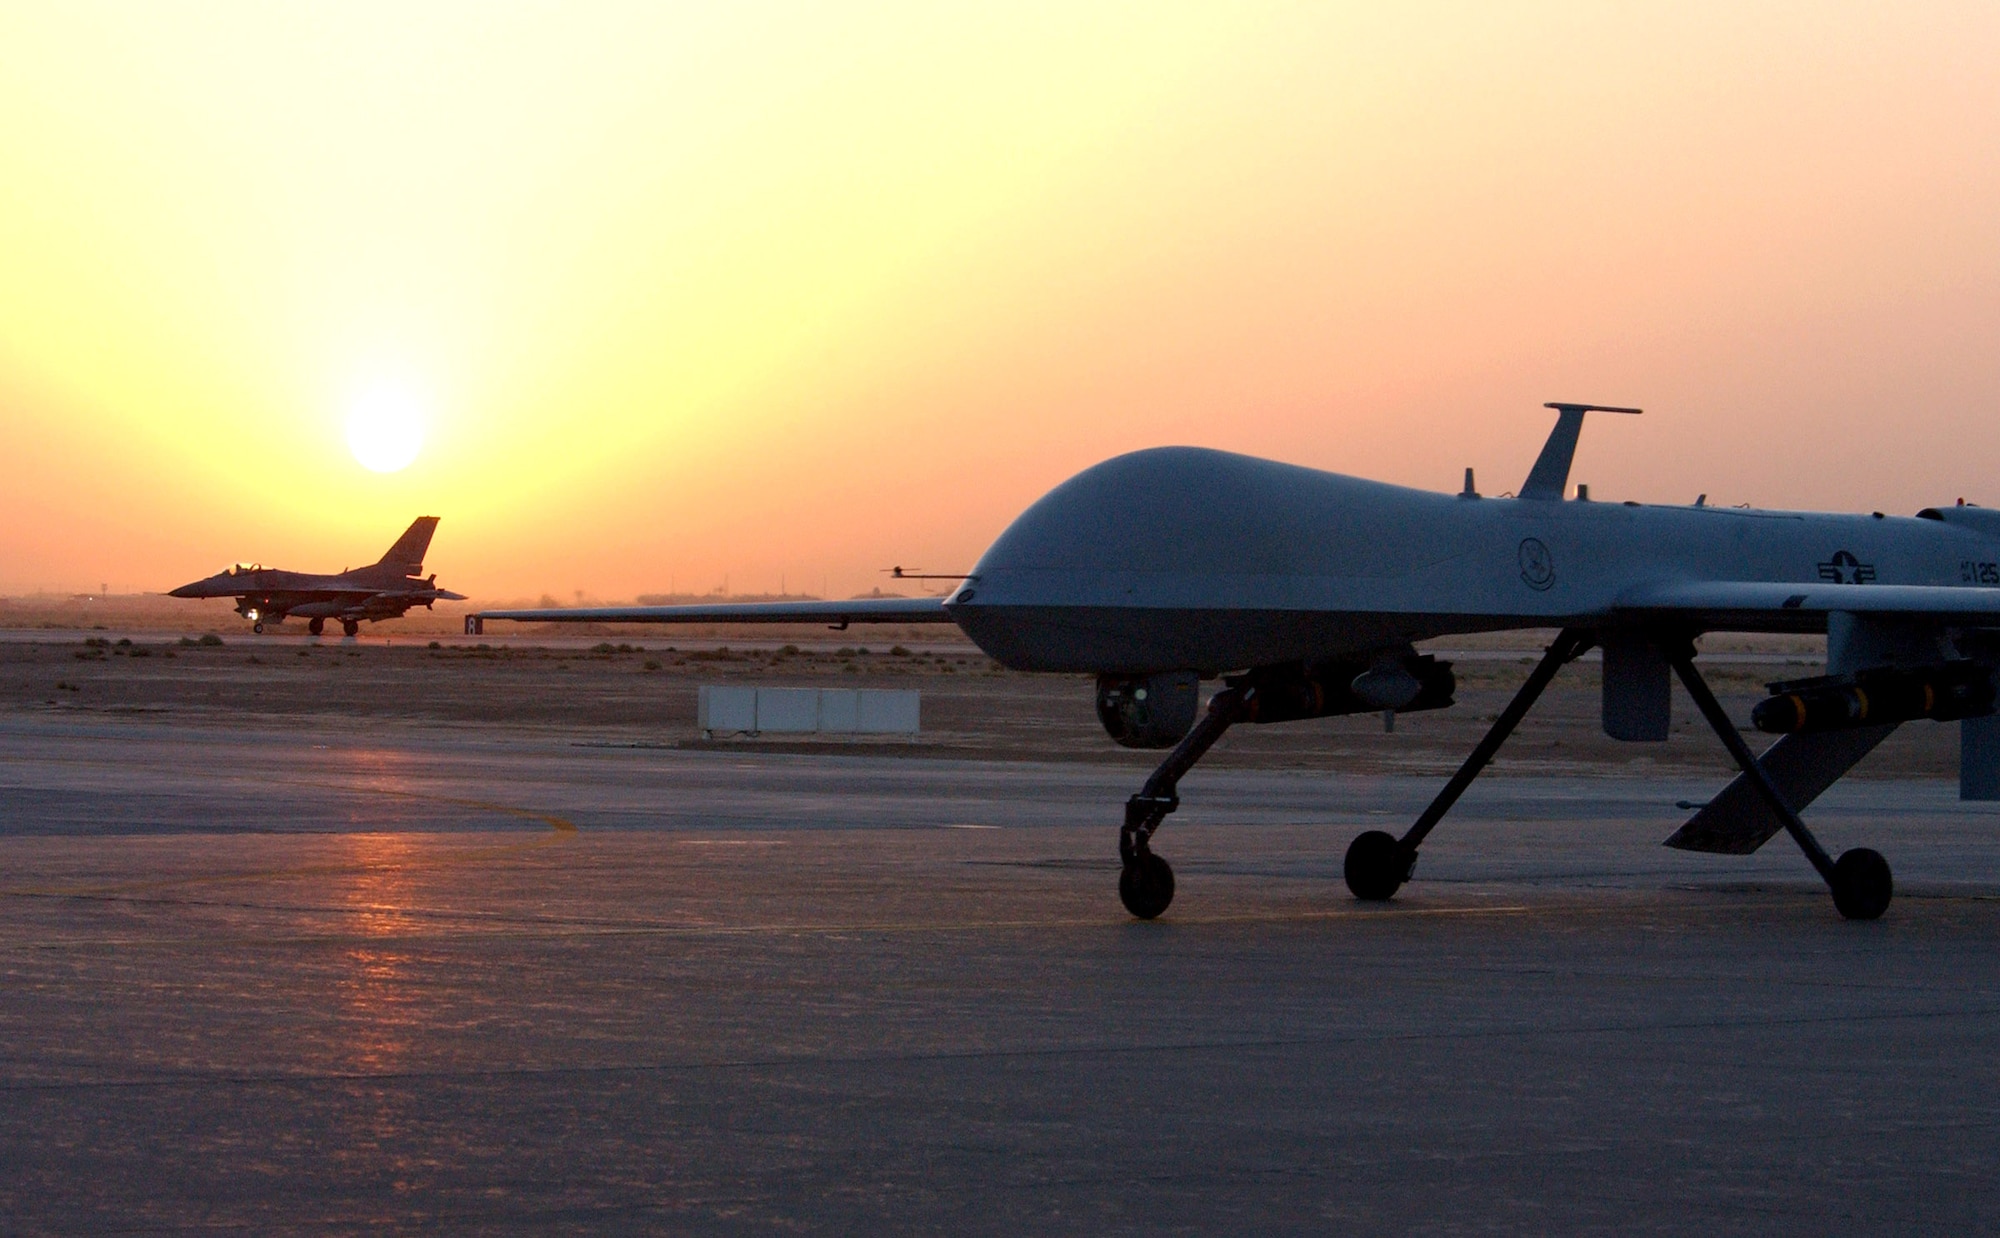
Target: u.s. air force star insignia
(1537,567)
(1845,569)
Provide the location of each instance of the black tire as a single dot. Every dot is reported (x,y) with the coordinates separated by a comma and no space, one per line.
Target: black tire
(350,627)
(1377,866)
(1146,886)
(1862,884)
(316,626)
(258,627)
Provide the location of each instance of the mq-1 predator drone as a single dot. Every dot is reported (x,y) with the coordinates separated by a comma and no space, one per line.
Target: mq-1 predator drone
(1304,591)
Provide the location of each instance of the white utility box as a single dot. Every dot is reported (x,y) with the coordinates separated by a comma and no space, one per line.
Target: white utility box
(787,711)
(840,710)
(887,712)
(804,711)
(726,709)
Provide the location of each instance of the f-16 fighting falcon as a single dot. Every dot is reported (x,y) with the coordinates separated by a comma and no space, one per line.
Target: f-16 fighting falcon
(1303,592)
(382,590)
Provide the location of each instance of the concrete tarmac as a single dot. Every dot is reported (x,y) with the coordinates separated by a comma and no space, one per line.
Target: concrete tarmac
(469,980)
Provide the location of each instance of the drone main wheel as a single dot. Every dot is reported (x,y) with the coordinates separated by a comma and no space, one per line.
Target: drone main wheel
(1862,885)
(1146,886)
(1377,865)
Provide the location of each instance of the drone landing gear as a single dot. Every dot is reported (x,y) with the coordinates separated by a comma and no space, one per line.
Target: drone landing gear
(1146,885)
(1378,863)
(316,626)
(350,627)
(1860,879)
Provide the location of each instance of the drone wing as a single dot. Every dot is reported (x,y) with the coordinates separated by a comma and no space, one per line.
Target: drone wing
(1717,603)
(838,614)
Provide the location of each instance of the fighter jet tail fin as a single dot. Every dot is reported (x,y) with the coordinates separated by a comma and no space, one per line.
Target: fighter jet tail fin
(407,555)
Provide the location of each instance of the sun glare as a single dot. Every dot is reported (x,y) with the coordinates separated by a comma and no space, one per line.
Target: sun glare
(385,429)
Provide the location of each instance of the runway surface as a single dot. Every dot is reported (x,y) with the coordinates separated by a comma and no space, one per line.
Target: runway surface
(462,979)
(938,638)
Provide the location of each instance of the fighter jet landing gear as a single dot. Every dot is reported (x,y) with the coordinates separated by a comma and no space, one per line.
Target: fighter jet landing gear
(1146,886)
(258,627)
(316,626)
(1378,863)
(1860,880)
(350,627)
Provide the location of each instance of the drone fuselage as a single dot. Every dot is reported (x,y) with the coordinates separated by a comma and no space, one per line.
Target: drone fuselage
(1182,558)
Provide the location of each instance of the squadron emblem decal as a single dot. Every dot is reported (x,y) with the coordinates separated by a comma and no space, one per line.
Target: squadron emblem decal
(1845,569)
(1538,569)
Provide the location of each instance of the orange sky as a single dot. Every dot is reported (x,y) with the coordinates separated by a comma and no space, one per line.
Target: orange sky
(802,291)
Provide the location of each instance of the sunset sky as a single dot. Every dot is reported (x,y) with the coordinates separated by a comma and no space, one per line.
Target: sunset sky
(798,292)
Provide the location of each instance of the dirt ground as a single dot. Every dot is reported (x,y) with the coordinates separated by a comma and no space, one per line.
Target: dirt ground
(642,691)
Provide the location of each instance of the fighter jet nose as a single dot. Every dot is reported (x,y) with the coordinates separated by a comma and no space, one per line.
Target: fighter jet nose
(202,588)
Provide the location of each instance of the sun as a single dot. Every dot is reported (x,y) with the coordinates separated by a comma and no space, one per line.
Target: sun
(385,429)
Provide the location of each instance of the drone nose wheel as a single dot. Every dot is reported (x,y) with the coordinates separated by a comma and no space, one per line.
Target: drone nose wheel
(1146,886)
